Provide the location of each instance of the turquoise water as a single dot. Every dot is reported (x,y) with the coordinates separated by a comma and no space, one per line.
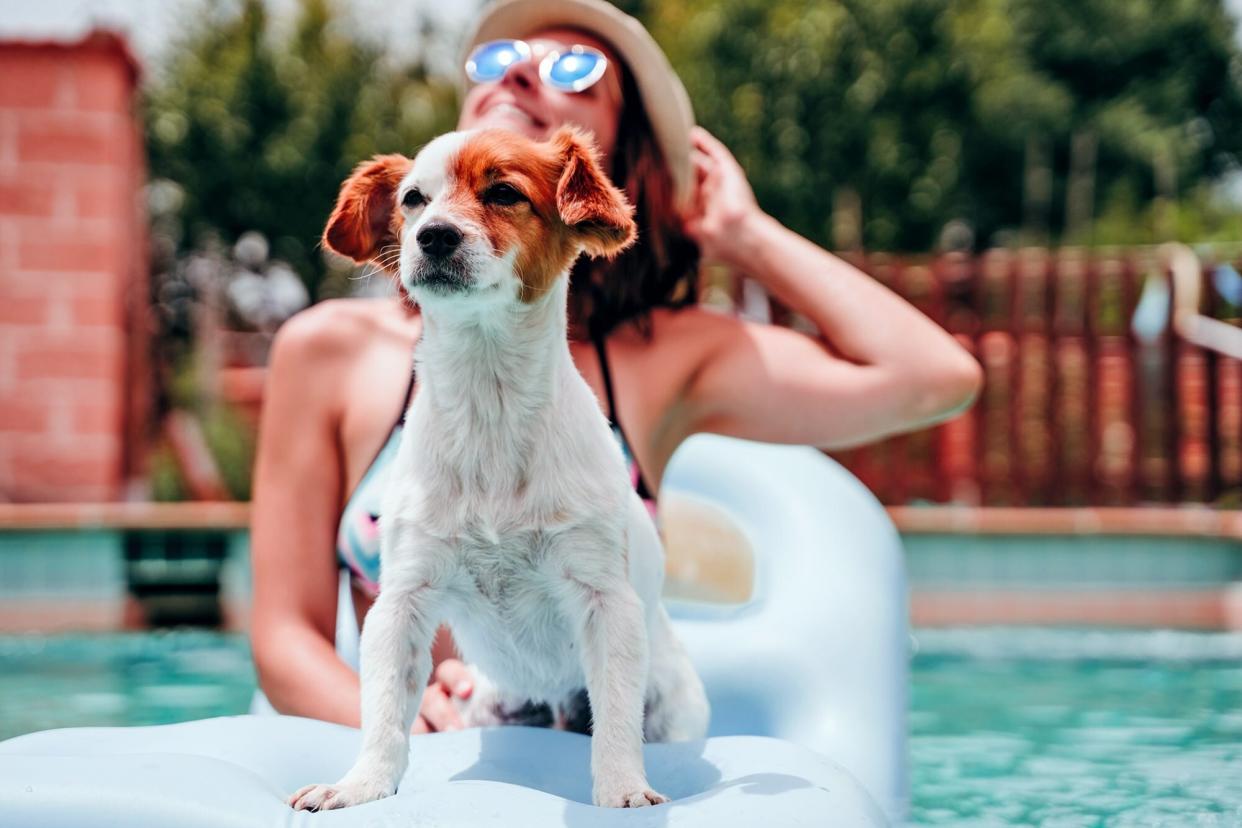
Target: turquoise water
(124,679)
(1082,729)
(1008,727)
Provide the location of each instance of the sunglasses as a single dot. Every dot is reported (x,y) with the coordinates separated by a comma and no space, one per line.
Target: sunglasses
(569,71)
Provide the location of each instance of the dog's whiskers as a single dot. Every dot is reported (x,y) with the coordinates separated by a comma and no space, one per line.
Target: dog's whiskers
(386,261)
(521,279)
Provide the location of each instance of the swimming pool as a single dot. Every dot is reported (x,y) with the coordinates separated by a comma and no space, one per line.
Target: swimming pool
(1063,728)
(1008,726)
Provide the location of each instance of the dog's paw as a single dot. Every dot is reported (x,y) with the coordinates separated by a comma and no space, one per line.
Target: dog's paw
(341,795)
(636,797)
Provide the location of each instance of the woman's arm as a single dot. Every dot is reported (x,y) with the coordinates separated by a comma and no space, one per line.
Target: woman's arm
(297,491)
(297,494)
(890,369)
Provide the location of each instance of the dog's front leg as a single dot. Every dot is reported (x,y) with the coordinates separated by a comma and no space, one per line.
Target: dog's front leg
(395,659)
(613,642)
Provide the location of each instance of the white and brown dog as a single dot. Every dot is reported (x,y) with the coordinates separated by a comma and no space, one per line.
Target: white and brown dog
(510,515)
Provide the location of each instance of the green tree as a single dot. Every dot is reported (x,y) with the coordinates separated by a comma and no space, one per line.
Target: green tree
(1158,81)
(930,110)
(259,132)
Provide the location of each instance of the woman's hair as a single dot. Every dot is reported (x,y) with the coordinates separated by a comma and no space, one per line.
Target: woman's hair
(658,270)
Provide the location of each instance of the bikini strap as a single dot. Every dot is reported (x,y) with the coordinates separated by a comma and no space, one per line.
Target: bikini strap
(606,372)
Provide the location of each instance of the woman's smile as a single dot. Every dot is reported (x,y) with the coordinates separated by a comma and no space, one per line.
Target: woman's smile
(507,113)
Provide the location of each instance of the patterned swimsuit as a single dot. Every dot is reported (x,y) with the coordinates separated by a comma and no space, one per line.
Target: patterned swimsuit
(357,539)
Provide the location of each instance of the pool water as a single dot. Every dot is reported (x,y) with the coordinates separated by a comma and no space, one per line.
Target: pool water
(124,679)
(1082,729)
(1008,727)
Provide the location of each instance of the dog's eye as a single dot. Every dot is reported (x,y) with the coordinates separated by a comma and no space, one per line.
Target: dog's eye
(503,195)
(412,199)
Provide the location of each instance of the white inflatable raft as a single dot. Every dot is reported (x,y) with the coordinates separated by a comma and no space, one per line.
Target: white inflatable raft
(812,668)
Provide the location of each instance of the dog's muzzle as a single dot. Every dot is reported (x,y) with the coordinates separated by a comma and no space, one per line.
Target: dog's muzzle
(441,267)
(438,239)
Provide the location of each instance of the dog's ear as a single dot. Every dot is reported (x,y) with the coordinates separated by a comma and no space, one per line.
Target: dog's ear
(589,204)
(366,219)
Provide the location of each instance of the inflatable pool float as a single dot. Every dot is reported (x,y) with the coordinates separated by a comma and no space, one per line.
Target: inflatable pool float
(811,668)
(236,772)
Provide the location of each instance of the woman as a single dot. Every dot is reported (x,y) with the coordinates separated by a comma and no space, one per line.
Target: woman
(662,367)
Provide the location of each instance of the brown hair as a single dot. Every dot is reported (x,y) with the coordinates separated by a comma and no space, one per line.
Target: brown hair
(661,268)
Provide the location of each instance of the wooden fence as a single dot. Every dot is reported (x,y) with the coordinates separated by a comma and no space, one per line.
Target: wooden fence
(1090,396)
(1083,403)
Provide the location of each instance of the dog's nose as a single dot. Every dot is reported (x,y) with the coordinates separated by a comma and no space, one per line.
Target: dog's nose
(439,238)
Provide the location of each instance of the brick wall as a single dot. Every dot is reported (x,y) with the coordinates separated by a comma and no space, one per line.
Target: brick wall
(73,276)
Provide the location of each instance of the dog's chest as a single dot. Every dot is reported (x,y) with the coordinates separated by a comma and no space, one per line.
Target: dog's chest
(506,612)
(508,574)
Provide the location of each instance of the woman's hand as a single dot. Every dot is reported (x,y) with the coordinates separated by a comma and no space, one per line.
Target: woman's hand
(452,680)
(723,207)
(882,366)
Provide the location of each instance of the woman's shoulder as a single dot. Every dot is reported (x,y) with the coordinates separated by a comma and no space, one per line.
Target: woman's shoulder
(700,326)
(338,330)
(679,342)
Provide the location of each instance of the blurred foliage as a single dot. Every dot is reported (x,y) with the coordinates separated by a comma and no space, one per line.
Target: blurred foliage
(232,441)
(932,110)
(230,436)
(167,485)
(1198,217)
(259,131)
(923,112)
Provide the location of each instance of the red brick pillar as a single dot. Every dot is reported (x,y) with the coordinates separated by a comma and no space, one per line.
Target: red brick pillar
(73,274)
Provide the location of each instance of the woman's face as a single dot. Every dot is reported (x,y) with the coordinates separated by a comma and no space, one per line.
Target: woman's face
(519,101)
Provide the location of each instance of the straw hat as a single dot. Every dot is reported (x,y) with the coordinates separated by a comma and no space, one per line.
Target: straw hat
(663,95)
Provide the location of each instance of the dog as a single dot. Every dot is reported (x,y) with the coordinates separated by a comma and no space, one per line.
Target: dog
(510,514)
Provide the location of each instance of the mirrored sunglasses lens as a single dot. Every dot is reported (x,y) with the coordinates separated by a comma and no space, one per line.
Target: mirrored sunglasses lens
(491,60)
(575,70)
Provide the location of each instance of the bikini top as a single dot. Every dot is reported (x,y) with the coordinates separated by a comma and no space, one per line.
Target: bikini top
(358,537)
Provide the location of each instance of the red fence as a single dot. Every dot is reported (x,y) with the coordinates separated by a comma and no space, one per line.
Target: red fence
(1077,408)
